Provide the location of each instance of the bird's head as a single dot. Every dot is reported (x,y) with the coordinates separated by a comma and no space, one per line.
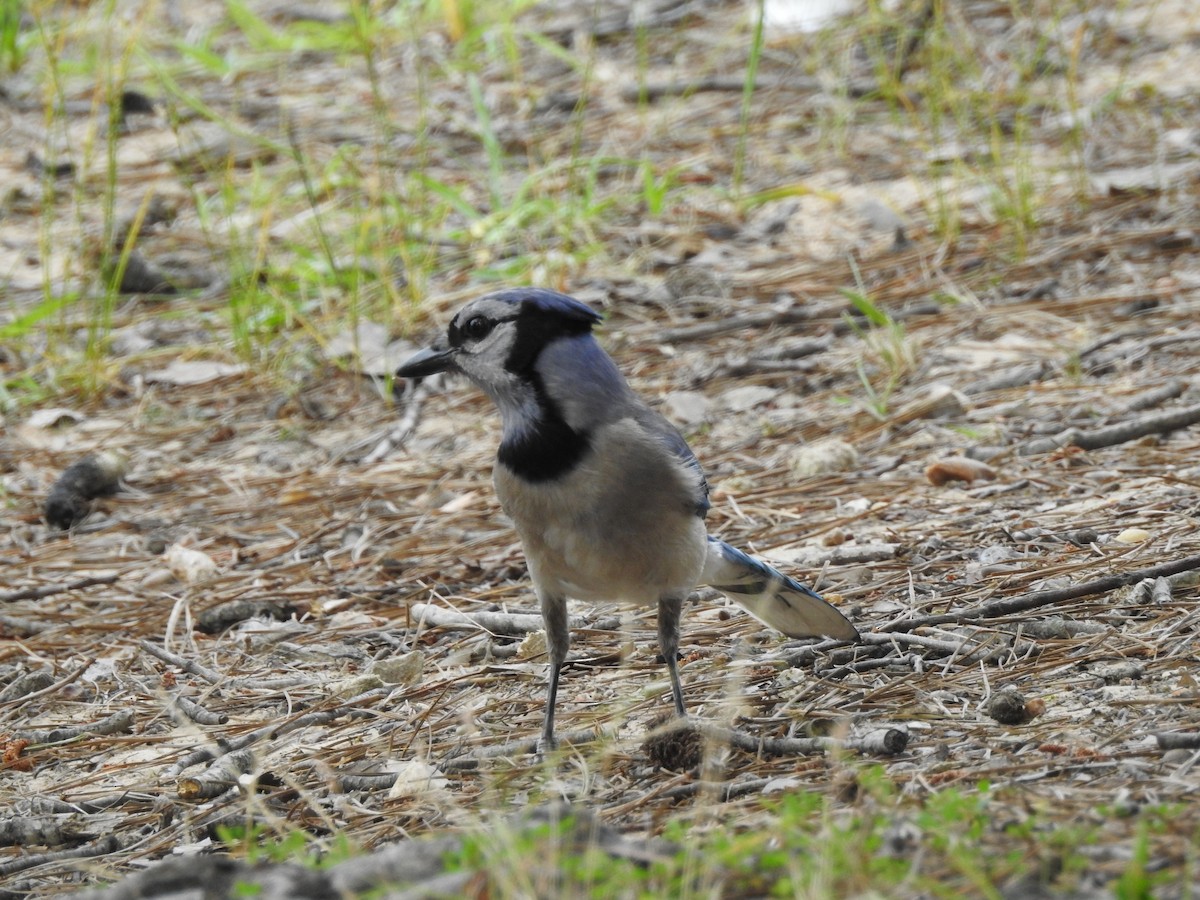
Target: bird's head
(501,335)
(532,351)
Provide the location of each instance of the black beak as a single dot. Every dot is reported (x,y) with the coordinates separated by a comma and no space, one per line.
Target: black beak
(429,361)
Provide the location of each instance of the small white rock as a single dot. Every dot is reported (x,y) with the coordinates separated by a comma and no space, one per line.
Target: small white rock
(1134,536)
(189,565)
(741,399)
(822,458)
(788,783)
(533,646)
(688,407)
(53,418)
(940,401)
(404,669)
(187,372)
(346,688)
(417,778)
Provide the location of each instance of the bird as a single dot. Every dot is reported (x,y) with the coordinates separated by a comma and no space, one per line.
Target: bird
(606,496)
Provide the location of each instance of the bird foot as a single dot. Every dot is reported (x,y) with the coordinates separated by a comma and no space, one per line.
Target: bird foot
(545,744)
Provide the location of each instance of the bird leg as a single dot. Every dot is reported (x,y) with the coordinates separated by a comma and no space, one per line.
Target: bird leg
(670,609)
(558,640)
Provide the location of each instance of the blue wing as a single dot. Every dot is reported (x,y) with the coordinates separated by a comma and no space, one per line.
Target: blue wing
(669,435)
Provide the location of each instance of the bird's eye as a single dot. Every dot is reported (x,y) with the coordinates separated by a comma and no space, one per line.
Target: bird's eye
(477,328)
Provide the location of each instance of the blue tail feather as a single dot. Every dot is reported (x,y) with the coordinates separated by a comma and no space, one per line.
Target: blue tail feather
(772,597)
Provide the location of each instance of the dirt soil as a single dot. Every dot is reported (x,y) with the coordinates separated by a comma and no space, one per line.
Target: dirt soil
(268,577)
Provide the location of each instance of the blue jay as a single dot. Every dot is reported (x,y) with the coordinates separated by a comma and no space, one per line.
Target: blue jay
(606,496)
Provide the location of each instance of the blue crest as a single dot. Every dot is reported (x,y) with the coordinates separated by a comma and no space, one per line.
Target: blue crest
(546,302)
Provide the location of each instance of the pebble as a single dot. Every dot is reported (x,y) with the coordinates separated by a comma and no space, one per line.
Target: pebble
(405,669)
(822,458)
(957,468)
(1133,536)
(1009,707)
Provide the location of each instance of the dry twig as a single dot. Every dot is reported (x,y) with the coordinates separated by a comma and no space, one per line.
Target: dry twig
(119,722)
(188,665)
(110,843)
(523,747)
(508,624)
(197,713)
(880,742)
(407,424)
(1110,436)
(53,830)
(1178,740)
(1007,606)
(69,678)
(51,589)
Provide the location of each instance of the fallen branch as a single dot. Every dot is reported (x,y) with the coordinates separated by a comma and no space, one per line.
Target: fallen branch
(1006,379)
(725,791)
(103,847)
(840,652)
(913,661)
(365,782)
(225,772)
(1058,628)
(52,688)
(1156,396)
(197,713)
(1007,606)
(200,876)
(1155,423)
(855,87)
(656,90)
(53,830)
(22,628)
(272,730)
(788,358)
(1122,432)
(881,742)
(965,649)
(51,589)
(50,806)
(225,616)
(190,666)
(422,862)
(1178,740)
(523,747)
(419,864)
(28,685)
(117,723)
(844,555)
(756,365)
(725,324)
(507,624)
